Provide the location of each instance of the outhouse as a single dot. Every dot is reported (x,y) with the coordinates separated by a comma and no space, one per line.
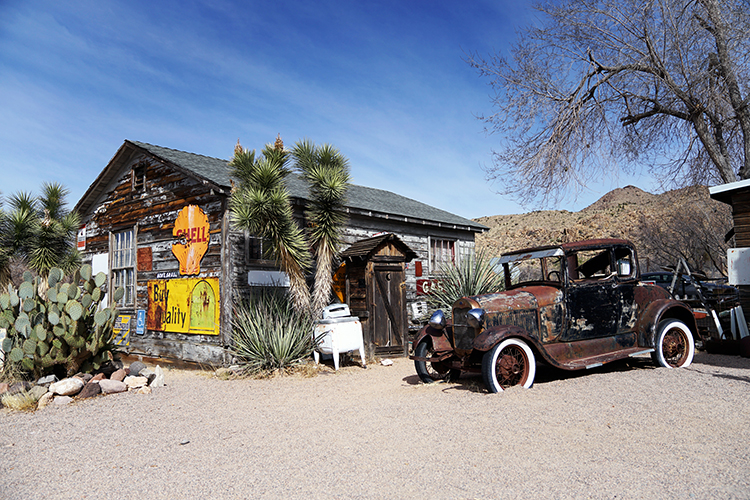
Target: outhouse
(375,290)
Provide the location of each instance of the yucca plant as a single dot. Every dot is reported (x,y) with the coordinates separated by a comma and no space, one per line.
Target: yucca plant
(473,275)
(261,205)
(326,171)
(39,232)
(269,334)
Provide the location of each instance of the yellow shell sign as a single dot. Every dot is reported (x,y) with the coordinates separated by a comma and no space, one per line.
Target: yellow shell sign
(188,305)
(193,230)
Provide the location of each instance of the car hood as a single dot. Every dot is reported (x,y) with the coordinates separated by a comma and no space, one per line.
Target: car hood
(530,297)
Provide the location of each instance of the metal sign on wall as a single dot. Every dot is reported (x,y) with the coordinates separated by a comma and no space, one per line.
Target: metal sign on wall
(193,231)
(188,305)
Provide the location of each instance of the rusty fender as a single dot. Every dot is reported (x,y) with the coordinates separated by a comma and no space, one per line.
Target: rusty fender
(490,337)
(439,338)
(658,310)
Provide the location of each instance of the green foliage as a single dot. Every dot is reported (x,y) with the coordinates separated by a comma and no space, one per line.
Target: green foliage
(261,205)
(40,233)
(473,275)
(269,334)
(57,327)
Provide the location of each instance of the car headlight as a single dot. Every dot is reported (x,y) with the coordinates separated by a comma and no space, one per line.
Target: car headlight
(475,318)
(437,320)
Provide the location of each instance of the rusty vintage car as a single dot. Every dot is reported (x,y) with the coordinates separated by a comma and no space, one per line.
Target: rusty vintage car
(573,306)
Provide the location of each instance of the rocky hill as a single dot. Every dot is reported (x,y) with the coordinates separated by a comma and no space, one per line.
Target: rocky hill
(647,219)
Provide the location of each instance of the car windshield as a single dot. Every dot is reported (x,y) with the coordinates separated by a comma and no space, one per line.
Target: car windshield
(535,266)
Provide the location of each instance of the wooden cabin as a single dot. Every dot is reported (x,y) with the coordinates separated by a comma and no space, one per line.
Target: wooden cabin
(156,220)
(737,195)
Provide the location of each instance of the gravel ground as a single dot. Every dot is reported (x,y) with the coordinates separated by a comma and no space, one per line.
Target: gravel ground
(627,430)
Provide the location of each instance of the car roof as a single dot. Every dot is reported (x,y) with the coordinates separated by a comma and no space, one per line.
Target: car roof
(576,246)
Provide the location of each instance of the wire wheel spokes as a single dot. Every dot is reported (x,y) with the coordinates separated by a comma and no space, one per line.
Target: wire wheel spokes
(675,347)
(512,366)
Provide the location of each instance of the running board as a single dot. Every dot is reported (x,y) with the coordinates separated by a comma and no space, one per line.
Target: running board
(597,361)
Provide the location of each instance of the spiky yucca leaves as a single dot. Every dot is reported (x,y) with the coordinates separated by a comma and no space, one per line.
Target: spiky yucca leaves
(261,205)
(326,171)
(474,275)
(269,334)
(40,232)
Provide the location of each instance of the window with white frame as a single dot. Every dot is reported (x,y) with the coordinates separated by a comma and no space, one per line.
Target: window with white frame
(122,246)
(442,252)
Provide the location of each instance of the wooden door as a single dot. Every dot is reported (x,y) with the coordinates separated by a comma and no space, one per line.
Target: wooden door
(388,315)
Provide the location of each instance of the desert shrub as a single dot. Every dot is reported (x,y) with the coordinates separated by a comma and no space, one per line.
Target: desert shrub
(473,275)
(56,326)
(268,334)
(20,401)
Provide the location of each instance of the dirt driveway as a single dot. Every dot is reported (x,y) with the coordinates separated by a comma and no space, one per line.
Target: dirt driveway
(623,431)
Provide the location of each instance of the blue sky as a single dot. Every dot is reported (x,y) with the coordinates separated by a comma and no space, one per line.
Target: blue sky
(383,81)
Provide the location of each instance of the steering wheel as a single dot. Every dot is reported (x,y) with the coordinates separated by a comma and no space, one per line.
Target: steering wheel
(553,276)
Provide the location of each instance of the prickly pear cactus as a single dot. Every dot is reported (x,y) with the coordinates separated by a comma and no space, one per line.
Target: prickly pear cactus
(50,323)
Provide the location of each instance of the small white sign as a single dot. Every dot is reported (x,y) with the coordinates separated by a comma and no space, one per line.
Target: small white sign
(267,278)
(81,240)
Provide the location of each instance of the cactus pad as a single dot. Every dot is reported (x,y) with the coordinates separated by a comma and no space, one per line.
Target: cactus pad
(86,272)
(74,309)
(29,346)
(101,317)
(100,279)
(54,276)
(16,354)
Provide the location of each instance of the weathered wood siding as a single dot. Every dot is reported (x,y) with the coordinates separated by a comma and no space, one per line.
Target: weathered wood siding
(152,211)
(415,236)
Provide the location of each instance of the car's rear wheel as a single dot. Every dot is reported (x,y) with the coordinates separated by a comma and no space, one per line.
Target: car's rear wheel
(430,372)
(508,364)
(675,346)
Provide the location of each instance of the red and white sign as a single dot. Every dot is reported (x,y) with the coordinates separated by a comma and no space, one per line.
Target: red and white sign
(81,239)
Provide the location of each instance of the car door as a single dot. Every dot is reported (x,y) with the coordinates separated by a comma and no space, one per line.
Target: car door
(592,309)
(591,296)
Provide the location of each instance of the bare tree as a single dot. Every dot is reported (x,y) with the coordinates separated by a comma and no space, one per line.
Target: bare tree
(693,229)
(605,86)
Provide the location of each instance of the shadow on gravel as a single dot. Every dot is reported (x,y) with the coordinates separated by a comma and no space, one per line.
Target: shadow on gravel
(721,360)
(544,374)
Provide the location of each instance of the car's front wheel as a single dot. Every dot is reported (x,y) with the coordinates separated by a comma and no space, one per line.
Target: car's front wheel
(430,372)
(509,363)
(674,347)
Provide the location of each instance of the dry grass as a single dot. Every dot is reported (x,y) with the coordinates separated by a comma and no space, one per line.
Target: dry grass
(20,401)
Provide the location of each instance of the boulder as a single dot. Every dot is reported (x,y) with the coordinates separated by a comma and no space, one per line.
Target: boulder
(96,378)
(67,387)
(119,375)
(84,376)
(45,400)
(136,367)
(109,386)
(109,367)
(46,381)
(38,391)
(90,390)
(143,390)
(148,374)
(158,380)
(22,386)
(3,388)
(62,400)
(135,382)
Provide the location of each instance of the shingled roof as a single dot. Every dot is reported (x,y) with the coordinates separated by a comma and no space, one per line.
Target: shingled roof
(364,248)
(362,200)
